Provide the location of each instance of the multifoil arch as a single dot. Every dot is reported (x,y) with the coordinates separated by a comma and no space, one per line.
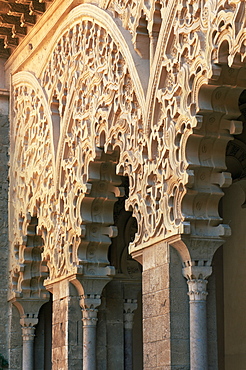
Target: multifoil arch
(97,102)
(197,47)
(150,161)
(95,93)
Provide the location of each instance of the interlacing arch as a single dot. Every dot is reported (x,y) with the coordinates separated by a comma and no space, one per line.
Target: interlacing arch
(100,118)
(195,46)
(146,93)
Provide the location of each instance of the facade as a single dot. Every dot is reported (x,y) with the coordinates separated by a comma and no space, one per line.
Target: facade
(122,187)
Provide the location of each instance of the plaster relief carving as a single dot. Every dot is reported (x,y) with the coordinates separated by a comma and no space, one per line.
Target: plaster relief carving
(32,185)
(170,144)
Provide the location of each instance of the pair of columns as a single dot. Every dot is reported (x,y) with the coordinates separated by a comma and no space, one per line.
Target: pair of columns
(89,332)
(89,318)
(89,340)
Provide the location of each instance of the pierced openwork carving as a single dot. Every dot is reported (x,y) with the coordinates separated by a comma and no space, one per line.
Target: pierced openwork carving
(198,114)
(32,185)
(92,124)
(142,19)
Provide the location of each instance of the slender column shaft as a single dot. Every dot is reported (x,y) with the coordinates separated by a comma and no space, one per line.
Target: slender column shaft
(130,305)
(89,338)
(198,324)
(28,334)
(128,352)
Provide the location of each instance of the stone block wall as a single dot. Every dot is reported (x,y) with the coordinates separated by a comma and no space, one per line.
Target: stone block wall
(165,310)
(66,328)
(14,339)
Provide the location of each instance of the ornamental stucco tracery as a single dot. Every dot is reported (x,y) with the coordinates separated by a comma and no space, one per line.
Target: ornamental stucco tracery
(32,185)
(191,51)
(98,117)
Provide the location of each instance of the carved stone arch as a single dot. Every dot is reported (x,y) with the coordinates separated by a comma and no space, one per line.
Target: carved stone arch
(188,44)
(143,20)
(103,109)
(218,120)
(31,187)
(121,36)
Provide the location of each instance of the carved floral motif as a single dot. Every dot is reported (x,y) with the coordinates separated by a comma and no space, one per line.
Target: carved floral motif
(88,116)
(32,185)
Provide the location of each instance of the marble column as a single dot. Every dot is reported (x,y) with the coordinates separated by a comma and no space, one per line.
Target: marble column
(88,304)
(198,324)
(89,338)
(197,285)
(28,334)
(130,305)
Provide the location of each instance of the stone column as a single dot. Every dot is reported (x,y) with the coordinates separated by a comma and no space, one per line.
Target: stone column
(197,284)
(89,318)
(130,305)
(28,334)
(89,339)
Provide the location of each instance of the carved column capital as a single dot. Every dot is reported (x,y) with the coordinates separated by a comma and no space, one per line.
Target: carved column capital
(196,273)
(88,304)
(28,333)
(197,289)
(130,305)
(90,301)
(89,317)
(28,327)
(196,270)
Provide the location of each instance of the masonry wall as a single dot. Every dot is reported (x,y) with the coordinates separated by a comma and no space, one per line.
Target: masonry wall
(66,328)
(165,310)
(234,255)
(4,247)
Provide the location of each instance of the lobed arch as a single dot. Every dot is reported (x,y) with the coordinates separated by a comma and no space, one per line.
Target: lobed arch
(194,56)
(158,163)
(89,135)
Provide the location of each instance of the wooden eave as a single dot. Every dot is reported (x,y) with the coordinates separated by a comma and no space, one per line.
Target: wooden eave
(17,17)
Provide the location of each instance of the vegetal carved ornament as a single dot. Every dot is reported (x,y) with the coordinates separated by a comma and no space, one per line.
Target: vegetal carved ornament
(89,119)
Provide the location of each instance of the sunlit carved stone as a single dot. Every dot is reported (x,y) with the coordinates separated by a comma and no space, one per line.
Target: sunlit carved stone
(149,90)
